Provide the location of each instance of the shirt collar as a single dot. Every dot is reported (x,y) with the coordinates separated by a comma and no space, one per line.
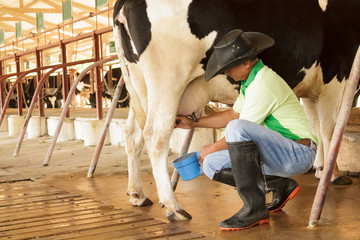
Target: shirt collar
(251,77)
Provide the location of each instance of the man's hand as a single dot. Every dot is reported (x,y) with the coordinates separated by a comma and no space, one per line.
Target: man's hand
(208,149)
(183,122)
(205,150)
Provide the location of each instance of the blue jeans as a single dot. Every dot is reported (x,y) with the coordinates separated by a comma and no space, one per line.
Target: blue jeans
(280,156)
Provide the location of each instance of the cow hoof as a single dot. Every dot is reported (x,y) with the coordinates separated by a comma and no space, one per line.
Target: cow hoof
(342,180)
(318,173)
(178,215)
(140,202)
(147,202)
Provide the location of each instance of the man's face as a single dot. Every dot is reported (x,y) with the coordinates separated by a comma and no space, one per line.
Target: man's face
(240,72)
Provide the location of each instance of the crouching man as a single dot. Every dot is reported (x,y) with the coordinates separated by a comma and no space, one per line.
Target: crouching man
(267,131)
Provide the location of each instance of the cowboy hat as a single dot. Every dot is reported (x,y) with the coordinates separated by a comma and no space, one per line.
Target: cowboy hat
(235,48)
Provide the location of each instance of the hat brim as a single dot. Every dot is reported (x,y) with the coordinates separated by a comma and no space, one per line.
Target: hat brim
(260,41)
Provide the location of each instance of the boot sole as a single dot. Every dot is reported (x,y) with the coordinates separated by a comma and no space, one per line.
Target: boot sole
(263,221)
(291,196)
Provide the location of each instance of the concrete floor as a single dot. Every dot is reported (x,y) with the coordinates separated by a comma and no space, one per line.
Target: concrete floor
(208,202)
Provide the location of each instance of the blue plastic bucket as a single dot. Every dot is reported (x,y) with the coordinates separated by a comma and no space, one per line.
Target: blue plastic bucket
(188,166)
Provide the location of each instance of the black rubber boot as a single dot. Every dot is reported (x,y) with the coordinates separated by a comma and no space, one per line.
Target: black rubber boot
(224,176)
(250,186)
(283,189)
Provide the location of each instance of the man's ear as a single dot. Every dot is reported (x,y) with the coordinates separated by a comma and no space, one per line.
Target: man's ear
(247,63)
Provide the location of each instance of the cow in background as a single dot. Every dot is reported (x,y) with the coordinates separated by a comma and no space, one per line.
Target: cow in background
(27,90)
(124,100)
(13,99)
(53,96)
(109,91)
(166,45)
(52,91)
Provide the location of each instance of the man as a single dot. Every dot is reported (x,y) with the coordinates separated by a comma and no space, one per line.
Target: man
(266,123)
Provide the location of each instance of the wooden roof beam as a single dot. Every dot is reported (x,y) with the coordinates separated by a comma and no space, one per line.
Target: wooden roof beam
(85,10)
(8,19)
(26,18)
(8,27)
(58,3)
(31,10)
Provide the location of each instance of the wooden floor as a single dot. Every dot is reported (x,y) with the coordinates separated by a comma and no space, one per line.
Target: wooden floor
(33,210)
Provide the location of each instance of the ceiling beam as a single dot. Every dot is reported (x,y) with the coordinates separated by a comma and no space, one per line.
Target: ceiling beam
(30,10)
(28,4)
(8,27)
(10,14)
(52,3)
(85,10)
(8,19)
(26,18)
(58,3)
(81,6)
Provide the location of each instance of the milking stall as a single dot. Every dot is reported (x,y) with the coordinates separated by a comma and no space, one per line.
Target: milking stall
(74,143)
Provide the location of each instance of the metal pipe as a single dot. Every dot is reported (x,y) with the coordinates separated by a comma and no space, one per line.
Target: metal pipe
(2,88)
(334,147)
(110,81)
(77,38)
(48,46)
(38,74)
(19,88)
(30,51)
(91,14)
(185,148)
(22,74)
(99,88)
(104,30)
(65,41)
(108,119)
(7,100)
(3,77)
(65,84)
(66,106)
(33,102)
(7,57)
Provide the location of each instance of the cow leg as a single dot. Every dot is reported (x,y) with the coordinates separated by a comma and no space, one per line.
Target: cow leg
(157,132)
(310,107)
(134,146)
(329,103)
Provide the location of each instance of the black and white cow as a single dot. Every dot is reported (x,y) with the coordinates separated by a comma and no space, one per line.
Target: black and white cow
(124,99)
(108,91)
(13,99)
(166,45)
(53,93)
(27,90)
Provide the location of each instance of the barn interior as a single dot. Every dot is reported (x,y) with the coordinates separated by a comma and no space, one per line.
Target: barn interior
(58,200)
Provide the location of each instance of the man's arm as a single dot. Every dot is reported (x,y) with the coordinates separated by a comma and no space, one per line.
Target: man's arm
(217,120)
(207,149)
